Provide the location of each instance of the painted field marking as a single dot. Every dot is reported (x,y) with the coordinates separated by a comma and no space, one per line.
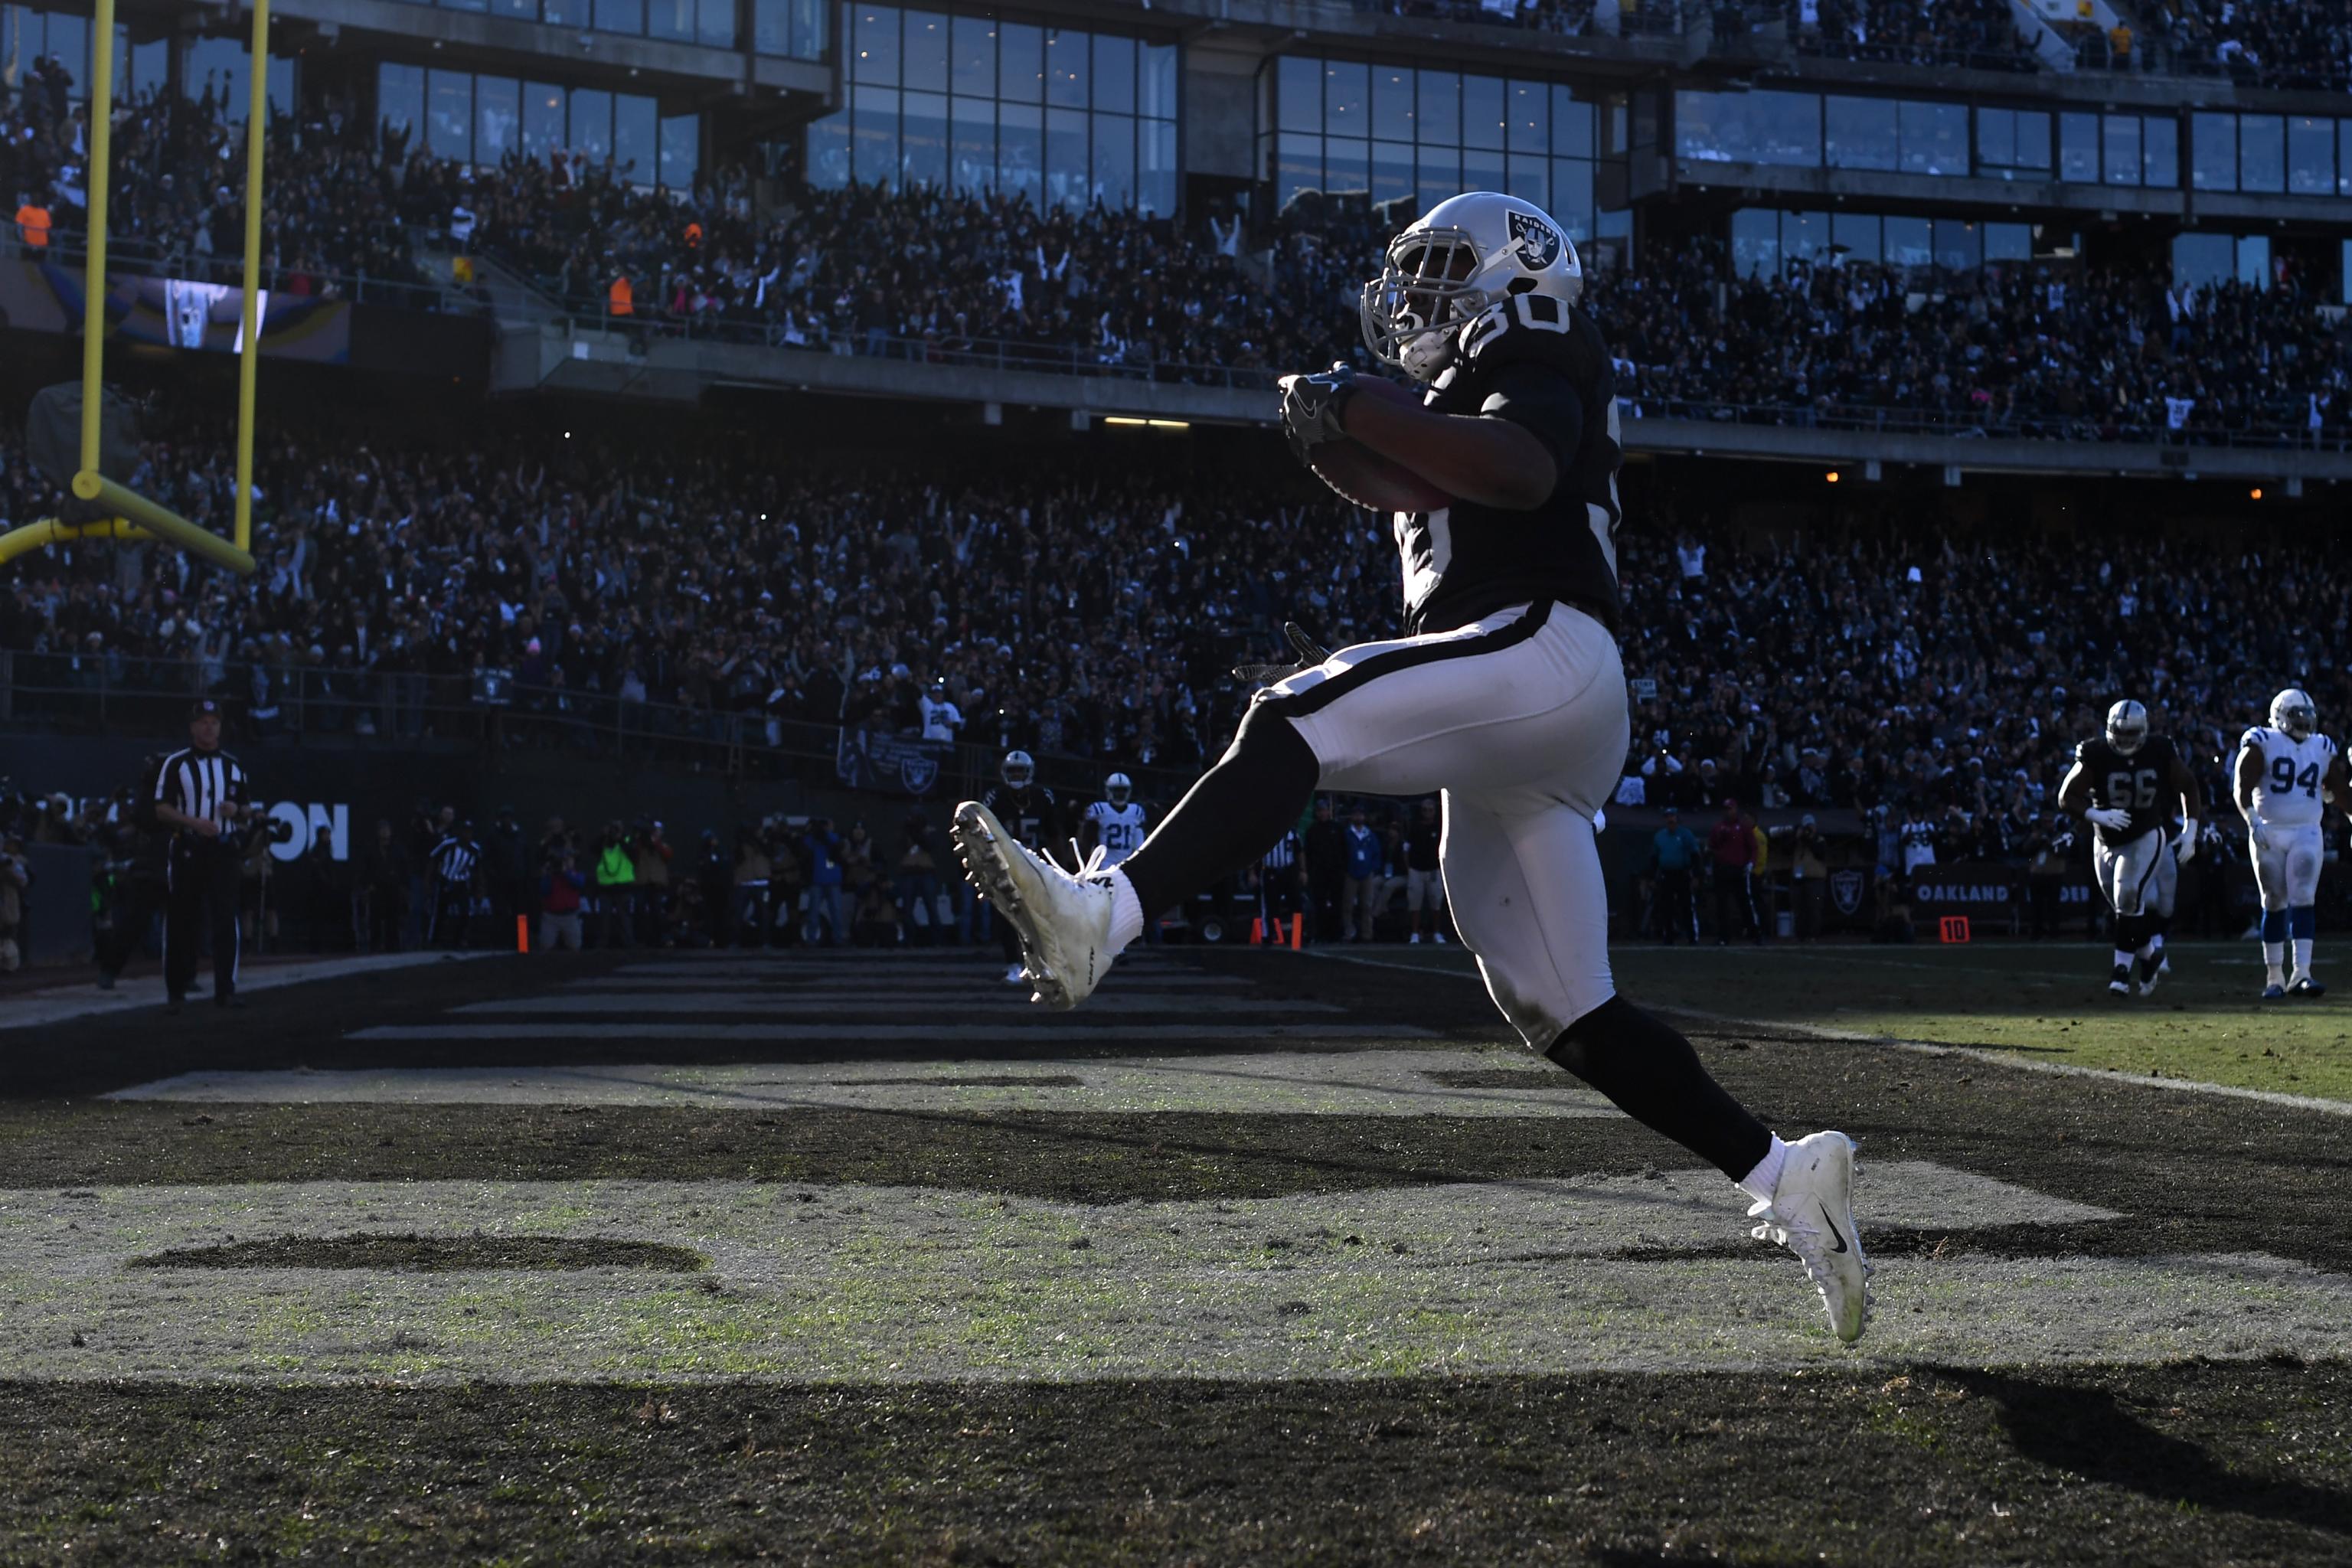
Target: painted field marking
(1348,1083)
(890,1284)
(974,981)
(895,1002)
(1036,1024)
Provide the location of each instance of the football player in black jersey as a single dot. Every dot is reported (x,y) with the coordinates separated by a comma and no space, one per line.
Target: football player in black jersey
(2128,786)
(1506,695)
(1029,811)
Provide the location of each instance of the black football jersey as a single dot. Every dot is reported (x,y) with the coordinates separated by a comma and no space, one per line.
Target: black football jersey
(1541,364)
(1031,816)
(2139,784)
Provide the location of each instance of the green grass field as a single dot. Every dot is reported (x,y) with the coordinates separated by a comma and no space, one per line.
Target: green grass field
(2044,1003)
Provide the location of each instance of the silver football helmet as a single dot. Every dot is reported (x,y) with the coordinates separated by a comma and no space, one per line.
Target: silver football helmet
(1453,263)
(2292,712)
(1118,789)
(1018,770)
(2127,726)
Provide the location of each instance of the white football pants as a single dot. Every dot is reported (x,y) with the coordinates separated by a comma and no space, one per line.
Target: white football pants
(1519,719)
(2287,871)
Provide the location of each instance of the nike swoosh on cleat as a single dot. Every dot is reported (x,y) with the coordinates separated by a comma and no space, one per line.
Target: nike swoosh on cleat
(1833,1230)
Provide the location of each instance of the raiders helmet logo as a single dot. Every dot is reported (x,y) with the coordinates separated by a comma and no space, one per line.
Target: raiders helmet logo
(1536,241)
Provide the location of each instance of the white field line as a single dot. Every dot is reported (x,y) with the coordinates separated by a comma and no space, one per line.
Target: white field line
(887,1002)
(1038,1026)
(1934,1048)
(56,1006)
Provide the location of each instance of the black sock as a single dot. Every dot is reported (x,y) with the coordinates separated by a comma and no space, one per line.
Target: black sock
(1655,1077)
(1236,812)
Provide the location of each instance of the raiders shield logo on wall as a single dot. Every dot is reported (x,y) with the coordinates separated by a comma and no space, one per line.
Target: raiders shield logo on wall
(1846,891)
(1537,242)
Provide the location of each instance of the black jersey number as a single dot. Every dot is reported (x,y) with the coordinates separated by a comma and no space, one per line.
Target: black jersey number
(1538,312)
(2132,791)
(2286,780)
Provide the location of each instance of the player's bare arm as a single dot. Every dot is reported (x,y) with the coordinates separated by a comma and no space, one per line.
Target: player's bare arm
(2074,792)
(1488,460)
(2250,777)
(2338,782)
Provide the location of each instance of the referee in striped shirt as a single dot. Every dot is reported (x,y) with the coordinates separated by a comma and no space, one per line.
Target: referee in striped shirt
(201,794)
(454,859)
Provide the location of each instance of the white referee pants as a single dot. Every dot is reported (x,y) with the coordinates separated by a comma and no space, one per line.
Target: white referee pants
(1520,720)
(2286,867)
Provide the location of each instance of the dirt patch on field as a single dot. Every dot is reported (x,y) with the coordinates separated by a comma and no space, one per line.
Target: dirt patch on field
(431,1254)
(968,1081)
(2186,1465)
(1505,1077)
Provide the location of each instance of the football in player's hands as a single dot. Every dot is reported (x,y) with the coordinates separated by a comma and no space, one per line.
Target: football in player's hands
(1362,475)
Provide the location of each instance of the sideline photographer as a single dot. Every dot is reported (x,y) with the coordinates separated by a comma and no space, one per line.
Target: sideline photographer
(201,794)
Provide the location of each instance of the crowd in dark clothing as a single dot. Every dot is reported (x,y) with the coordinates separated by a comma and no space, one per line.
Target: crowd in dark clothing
(1979,35)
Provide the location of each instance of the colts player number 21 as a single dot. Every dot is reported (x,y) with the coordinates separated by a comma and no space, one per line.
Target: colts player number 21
(1506,695)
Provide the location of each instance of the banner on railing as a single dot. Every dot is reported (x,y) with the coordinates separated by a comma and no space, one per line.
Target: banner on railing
(888,763)
(175,313)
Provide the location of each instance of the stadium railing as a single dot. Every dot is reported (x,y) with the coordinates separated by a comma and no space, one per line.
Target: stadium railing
(2278,432)
(145,258)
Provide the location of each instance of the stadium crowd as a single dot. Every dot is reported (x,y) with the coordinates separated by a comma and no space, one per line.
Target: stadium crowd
(1980,34)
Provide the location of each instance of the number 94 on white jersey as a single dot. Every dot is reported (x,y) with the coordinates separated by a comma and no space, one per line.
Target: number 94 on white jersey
(2294,773)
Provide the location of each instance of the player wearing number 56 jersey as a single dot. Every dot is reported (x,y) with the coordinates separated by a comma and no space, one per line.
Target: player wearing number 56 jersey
(1506,695)
(2128,786)
(2286,770)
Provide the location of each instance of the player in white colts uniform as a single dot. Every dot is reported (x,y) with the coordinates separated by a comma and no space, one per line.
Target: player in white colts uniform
(2128,784)
(2286,772)
(1506,693)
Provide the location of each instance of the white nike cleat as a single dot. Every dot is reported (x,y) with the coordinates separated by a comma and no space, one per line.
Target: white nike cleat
(1811,1215)
(1063,920)
(1014,976)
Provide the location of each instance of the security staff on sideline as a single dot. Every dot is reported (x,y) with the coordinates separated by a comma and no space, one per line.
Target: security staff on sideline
(200,793)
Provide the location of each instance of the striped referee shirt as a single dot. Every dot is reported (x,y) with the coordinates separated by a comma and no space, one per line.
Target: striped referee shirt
(453,859)
(1284,855)
(202,784)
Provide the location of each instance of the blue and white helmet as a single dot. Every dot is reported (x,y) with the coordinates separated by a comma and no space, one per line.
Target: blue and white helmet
(2292,712)
(1117,789)
(1451,263)
(2127,726)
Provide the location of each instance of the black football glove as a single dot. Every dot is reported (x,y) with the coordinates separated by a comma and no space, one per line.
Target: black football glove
(1310,654)
(1311,405)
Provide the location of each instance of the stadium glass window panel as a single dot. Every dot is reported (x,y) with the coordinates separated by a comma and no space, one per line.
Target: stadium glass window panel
(794,29)
(1155,80)
(1805,237)
(1481,169)
(2201,259)
(620,16)
(497,118)
(1393,104)
(1066,172)
(1347,88)
(1571,197)
(1529,179)
(1114,78)
(2119,149)
(924,43)
(449,115)
(2310,156)
(1020,152)
(1298,93)
(1996,139)
(519,10)
(828,151)
(219,63)
(564,13)
(1528,105)
(1155,178)
(1113,161)
(1571,125)
(2078,148)
(1347,165)
(2159,151)
(2007,242)
(1067,69)
(973,124)
(141,69)
(1935,139)
(681,151)
(2253,258)
(923,139)
(874,135)
(636,137)
(874,44)
(1756,242)
(1482,111)
(476,6)
(67,38)
(1859,134)
(1019,62)
(1959,246)
(1391,171)
(1297,166)
(1855,237)
(400,97)
(1701,131)
(591,122)
(2344,264)
(542,119)
(1439,120)
(2344,157)
(714,24)
(2261,152)
(973,56)
(1438,176)
(672,20)
(1788,127)
(2213,151)
(1910,242)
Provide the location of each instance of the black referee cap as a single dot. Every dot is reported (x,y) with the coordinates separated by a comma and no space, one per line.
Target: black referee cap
(202,706)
